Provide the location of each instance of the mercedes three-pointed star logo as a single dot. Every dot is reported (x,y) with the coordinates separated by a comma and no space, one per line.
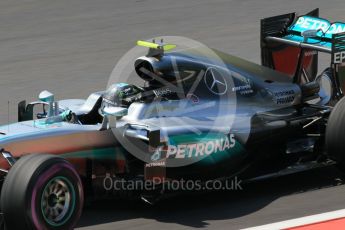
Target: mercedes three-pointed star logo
(215,81)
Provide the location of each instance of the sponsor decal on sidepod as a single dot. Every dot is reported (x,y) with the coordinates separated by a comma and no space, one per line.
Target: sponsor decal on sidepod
(200,149)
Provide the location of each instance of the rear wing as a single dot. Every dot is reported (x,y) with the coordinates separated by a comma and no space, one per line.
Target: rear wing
(290,44)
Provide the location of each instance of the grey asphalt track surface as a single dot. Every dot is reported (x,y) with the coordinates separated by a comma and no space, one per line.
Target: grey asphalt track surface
(70,48)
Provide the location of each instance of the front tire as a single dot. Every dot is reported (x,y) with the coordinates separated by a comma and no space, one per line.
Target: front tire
(41,192)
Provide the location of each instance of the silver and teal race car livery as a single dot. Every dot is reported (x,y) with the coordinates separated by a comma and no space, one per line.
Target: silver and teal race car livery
(189,115)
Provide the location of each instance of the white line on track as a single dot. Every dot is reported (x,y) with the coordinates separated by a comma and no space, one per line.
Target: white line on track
(301,221)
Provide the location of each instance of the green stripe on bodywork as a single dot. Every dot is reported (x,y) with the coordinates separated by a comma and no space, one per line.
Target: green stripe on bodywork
(100,154)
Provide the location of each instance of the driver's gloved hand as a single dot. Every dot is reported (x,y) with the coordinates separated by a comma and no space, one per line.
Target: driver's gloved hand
(69,116)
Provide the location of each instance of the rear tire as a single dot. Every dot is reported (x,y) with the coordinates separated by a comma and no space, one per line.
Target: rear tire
(335,134)
(41,192)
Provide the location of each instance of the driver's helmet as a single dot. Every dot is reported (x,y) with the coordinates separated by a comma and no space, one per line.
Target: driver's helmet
(119,94)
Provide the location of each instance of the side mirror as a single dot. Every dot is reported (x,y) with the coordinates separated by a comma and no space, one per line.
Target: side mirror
(110,116)
(46,96)
(115,111)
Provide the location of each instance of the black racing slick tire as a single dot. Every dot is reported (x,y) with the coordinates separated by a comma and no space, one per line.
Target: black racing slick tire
(41,192)
(335,134)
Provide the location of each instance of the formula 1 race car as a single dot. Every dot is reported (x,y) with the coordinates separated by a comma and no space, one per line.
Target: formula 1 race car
(195,117)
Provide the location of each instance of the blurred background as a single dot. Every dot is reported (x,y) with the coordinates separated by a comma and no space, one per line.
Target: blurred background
(70,47)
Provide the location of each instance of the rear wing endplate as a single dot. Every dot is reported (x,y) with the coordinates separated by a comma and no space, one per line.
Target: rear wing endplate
(338,48)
